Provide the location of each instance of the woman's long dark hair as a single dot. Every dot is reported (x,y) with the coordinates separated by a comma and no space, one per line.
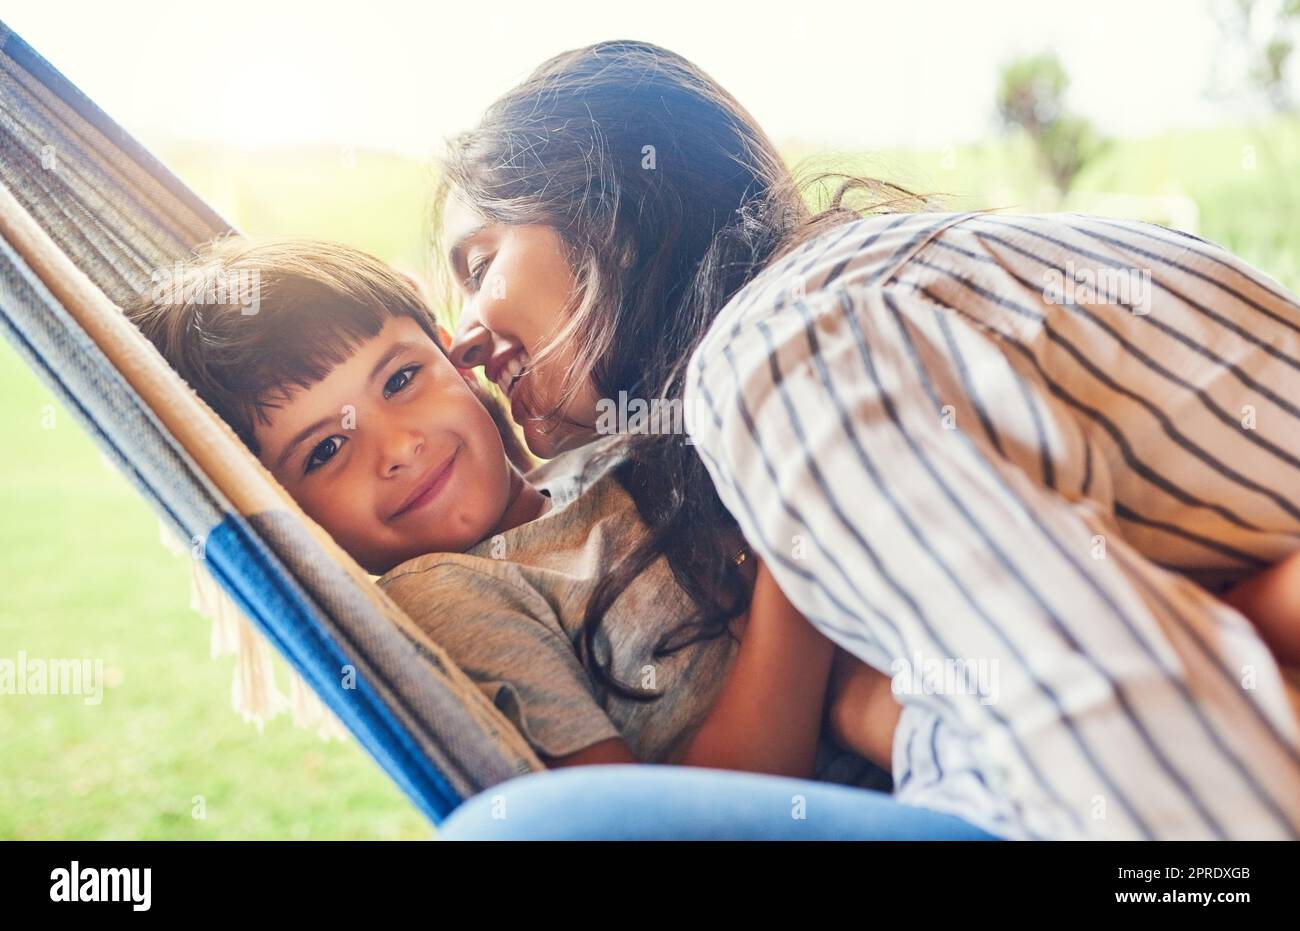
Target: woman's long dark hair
(670,198)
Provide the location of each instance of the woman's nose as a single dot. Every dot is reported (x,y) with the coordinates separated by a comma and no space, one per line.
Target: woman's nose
(472,344)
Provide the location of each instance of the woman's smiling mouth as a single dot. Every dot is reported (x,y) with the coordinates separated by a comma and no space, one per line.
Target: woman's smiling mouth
(508,377)
(509,374)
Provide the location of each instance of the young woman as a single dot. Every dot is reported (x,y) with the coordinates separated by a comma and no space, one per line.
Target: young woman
(594,222)
(606,211)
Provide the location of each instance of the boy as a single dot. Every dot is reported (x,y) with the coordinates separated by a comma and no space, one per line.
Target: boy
(339,383)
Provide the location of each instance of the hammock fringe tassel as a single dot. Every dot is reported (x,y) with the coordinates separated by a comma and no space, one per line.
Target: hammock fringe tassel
(254,693)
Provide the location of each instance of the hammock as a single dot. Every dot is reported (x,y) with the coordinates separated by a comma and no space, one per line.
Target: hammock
(86,216)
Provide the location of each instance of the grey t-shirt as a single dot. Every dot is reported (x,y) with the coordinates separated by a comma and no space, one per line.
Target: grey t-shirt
(509,612)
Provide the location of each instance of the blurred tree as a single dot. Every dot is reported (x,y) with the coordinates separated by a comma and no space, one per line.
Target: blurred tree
(1031,94)
(1260,36)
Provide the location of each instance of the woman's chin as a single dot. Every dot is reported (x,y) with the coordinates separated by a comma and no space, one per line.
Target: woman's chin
(546,444)
(542,446)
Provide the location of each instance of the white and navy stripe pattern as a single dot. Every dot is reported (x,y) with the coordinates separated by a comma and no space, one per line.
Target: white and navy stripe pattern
(941,460)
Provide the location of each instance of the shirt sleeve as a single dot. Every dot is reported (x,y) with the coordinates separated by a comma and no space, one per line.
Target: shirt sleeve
(932,479)
(503,636)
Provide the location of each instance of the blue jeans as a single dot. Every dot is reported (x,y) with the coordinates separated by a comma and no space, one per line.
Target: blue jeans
(647,802)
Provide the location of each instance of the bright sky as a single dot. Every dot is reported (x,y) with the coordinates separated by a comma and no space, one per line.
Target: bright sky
(402,76)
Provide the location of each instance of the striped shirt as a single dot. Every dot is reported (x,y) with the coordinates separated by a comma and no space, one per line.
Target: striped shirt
(1007,459)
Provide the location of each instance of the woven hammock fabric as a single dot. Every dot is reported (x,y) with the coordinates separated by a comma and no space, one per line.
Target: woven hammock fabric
(86,216)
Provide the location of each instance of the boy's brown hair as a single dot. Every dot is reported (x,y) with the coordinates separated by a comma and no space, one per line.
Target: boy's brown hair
(247,321)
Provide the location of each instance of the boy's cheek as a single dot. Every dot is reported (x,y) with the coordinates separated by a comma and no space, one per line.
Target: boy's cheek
(481,394)
(356,534)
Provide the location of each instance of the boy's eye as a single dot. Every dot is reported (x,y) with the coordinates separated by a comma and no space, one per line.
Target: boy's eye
(322,445)
(402,385)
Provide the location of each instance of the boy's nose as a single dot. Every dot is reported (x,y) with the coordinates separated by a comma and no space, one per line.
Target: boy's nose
(401,453)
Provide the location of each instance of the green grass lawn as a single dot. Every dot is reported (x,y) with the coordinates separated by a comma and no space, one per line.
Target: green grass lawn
(86,576)
(1245,182)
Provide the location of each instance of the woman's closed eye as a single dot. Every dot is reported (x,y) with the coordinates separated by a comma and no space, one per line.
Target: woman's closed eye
(475,279)
(312,466)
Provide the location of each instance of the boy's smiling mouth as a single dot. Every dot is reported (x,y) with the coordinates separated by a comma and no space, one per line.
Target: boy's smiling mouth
(429,487)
